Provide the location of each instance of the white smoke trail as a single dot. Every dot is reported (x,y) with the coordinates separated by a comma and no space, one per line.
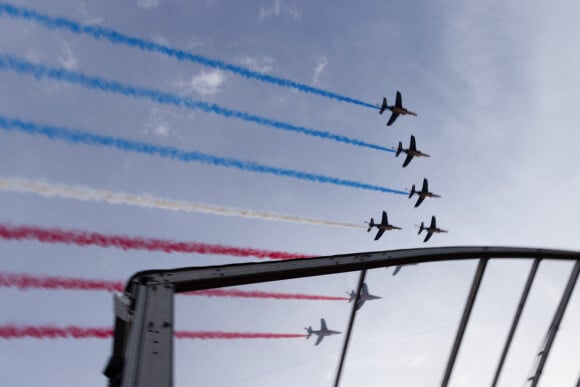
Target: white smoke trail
(86,193)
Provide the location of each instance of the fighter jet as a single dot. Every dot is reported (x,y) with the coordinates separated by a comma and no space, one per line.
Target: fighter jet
(397,109)
(383,226)
(431,229)
(324,331)
(411,151)
(364,296)
(424,193)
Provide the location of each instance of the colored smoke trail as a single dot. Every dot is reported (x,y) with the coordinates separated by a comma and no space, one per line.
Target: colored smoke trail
(12,331)
(86,194)
(83,238)
(28,281)
(261,294)
(39,71)
(119,38)
(79,137)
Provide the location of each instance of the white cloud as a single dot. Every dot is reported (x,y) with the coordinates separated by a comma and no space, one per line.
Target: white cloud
(204,83)
(278,9)
(263,64)
(67,58)
(146,4)
(319,69)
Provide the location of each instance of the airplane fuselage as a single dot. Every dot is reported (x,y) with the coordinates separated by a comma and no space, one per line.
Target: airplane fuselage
(327,332)
(386,227)
(401,111)
(416,153)
(427,194)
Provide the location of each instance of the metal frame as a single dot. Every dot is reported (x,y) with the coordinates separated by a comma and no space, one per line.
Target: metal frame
(143,337)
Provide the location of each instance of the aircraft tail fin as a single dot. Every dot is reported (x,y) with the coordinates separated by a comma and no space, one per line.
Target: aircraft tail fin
(371,224)
(352,296)
(412,191)
(399,149)
(421,227)
(309,331)
(383,106)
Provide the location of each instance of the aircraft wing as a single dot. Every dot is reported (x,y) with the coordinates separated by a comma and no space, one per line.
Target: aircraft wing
(323,325)
(399,101)
(419,201)
(379,234)
(413,145)
(397,269)
(425,187)
(360,303)
(319,339)
(433,222)
(385,219)
(408,159)
(429,234)
(393,118)
(365,290)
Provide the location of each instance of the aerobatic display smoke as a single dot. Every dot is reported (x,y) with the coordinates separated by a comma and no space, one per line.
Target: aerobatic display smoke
(72,136)
(29,281)
(39,71)
(12,331)
(86,193)
(119,38)
(83,238)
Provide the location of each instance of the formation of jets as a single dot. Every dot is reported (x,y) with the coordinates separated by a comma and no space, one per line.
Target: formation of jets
(396,110)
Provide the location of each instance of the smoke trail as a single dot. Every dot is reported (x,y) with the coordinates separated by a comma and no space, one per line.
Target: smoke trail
(117,37)
(260,294)
(27,281)
(83,238)
(79,137)
(39,71)
(85,193)
(12,331)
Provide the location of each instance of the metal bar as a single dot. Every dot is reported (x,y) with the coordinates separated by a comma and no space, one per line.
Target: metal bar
(516,320)
(361,281)
(464,320)
(149,355)
(555,325)
(198,278)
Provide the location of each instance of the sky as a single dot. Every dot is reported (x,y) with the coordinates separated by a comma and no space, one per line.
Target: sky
(495,86)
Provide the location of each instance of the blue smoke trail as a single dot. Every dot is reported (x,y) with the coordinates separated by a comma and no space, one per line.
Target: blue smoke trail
(79,137)
(8,62)
(116,37)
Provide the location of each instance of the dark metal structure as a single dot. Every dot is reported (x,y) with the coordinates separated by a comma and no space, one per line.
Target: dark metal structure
(143,338)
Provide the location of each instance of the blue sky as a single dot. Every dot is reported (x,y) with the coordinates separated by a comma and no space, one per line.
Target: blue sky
(495,85)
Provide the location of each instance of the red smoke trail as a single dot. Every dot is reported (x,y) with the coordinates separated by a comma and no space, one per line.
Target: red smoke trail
(83,238)
(260,294)
(26,281)
(74,332)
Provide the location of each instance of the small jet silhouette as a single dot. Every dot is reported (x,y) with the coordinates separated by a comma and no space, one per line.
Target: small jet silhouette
(431,229)
(411,151)
(424,193)
(383,226)
(364,296)
(397,109)
(324,331)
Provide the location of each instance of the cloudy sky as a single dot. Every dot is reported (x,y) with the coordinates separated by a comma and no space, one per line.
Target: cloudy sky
(495,85)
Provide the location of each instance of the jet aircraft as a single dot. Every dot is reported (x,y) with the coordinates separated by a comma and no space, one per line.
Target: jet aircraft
(324,331)
(424,193)
(383,226)
(411,151)
(364,296)
(396,109)
(431,229)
